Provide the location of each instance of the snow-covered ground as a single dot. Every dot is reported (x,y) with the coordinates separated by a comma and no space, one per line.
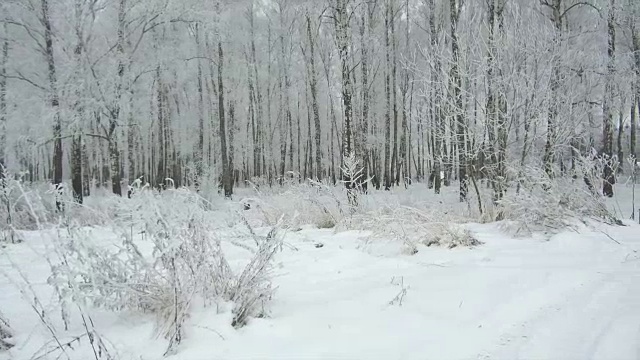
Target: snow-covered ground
(574,295)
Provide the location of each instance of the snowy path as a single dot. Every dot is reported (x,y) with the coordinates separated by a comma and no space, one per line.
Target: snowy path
(573,297)
(576,296)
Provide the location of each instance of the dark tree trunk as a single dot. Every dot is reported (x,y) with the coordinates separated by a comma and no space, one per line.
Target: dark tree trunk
(635,107)
(387,88)
(114,159)
(458,111)
(199,153)
(4,53)
(76,167)
(343,41)
(608,175)
(227,181)
(86,176)
(55,103)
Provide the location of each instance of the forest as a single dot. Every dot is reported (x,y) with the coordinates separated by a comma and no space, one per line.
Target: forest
(102,93)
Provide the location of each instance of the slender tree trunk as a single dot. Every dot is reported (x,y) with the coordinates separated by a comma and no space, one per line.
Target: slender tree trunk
(608,175)
(227,182)
(619,141)
(387,88)
(343,41)
(86,176)
(635,107)
(115,111)
(313,83)
(258,152)
(632,136)
(496,125)
(457,98)
(232,135)
(299,136)
(395,163)
(438,123)
(4,53)
(552,117)
(53,94)
(199,153)
(285,111)
(365,36)
(76,140)
(404,168)
(132,140)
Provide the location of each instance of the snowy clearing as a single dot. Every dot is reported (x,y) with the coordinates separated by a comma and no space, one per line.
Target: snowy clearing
(575,295)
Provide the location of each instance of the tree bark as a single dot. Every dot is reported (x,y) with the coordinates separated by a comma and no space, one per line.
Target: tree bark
(227,182)
(343,40)
(457,99)
(635,107)
(199,153)
(608,175)
(387,88)
(55,102)
(4,53)
(549,148)
(313,84)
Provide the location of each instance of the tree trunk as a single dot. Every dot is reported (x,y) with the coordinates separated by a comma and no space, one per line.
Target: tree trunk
(387,88)
(258,151)
(457,98)
(114,161)
(632,136)
(343,41)
(619,142)
(313,83)
(132,141)
(55,102)
(76,167)
(227,182)
(395,163)
(635,107)
(198,157)
(232,135)
(496,124)
(608,175)
(115,110)
(4,52)
(86,176)
(552,117)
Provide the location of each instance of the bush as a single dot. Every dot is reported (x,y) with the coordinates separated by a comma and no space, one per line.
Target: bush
(5,334)
(26,207)
(176,260)
(553,204)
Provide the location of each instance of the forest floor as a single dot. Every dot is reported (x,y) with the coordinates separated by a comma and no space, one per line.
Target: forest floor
(342,295)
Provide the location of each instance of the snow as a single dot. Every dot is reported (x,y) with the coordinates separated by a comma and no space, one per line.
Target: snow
(575,295)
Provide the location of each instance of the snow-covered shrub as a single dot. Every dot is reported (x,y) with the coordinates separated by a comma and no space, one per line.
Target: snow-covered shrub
(24,207)
(449,235)
(169,254)
(354,178)
(310,202)
(414,226)
(252,287)
(552,204)
(5,334)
